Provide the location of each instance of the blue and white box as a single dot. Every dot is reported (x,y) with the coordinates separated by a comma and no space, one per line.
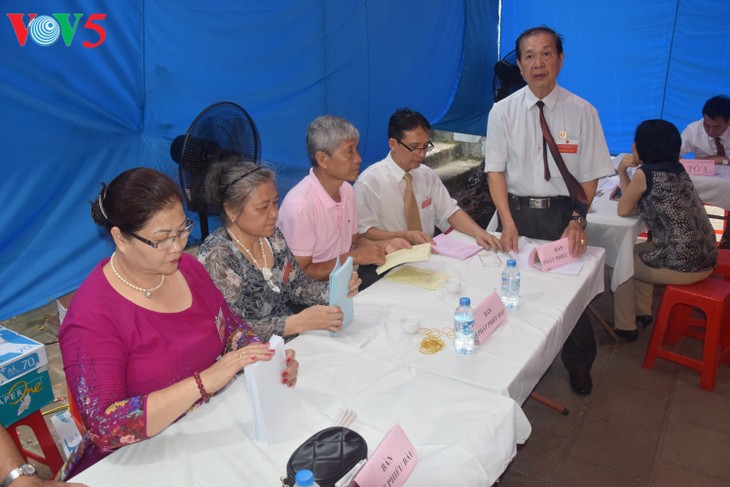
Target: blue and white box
(25,385)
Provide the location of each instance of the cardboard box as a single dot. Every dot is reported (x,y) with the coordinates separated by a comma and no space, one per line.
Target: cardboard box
(25,385)
(19,355)
(24,395)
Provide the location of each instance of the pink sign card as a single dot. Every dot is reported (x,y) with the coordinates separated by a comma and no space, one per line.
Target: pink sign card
(699,167)
(551,255)
(392,462)
(488,316)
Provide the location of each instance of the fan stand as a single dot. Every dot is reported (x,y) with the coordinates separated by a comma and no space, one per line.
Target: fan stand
(204,231)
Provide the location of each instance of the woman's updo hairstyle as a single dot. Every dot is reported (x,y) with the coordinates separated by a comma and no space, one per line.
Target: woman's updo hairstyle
(230,183)
(133,198)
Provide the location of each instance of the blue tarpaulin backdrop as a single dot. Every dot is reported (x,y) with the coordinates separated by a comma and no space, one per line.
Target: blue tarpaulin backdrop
(75,116)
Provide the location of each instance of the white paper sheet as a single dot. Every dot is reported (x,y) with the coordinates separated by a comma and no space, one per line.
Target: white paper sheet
(271,401)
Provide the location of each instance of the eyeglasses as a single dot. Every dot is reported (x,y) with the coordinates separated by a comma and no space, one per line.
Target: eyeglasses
(428,148)
(166,243)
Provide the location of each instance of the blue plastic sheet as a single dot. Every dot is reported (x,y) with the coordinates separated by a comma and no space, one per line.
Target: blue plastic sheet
(635,60)
(75,116)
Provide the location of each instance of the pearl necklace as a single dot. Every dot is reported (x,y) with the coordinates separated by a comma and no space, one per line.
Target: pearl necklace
(147,292)
(265,269)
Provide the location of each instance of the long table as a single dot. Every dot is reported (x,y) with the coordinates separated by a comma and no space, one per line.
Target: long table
(453,426)
(515,357)
(616,234)
(462,413)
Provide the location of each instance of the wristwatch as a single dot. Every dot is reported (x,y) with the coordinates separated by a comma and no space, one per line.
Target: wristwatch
(24,469)
(581,220)
(724,162)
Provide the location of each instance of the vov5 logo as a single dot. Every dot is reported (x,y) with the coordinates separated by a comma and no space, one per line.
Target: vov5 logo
(45,30)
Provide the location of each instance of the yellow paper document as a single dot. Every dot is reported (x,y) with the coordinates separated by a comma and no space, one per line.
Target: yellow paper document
(418,277)
(414,254)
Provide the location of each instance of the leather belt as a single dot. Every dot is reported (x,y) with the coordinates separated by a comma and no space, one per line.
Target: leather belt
(539,203)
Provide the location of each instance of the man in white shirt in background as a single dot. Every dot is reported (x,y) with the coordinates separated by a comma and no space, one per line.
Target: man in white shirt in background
(709,137)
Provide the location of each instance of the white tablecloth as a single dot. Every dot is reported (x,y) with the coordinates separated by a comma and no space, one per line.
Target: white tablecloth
(453,426)
(714,190)
(616,234)
(461,412)
(515,357)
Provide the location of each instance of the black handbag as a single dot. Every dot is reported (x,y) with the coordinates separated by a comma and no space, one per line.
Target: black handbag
(329,454)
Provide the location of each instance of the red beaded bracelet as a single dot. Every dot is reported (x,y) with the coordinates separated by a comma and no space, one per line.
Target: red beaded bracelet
(203,394)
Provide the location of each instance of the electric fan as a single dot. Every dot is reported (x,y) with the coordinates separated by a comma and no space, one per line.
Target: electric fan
(222,130)
(507,77)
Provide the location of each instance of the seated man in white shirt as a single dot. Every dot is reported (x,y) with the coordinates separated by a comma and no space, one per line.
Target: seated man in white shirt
(389,205)
(709,138)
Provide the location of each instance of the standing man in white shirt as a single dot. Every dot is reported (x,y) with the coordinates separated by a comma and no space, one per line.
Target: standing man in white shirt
(529,188)
(709,138)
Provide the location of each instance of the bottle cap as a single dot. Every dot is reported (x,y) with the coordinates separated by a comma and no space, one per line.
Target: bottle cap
(304,477)
(511,262)
(464,301)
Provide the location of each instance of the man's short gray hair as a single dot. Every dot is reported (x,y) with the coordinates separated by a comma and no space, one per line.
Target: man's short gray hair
(325,133)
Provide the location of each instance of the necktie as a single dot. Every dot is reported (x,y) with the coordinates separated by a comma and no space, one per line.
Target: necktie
(413,218)
(574,187)
(720,148)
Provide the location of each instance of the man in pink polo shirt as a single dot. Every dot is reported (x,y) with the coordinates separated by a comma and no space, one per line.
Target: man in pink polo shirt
(318,216)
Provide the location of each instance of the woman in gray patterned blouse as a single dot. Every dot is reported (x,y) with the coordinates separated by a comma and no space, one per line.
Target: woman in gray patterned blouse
(682,249)
(250,262)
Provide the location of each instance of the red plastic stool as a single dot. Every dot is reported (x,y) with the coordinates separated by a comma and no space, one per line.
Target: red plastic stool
(35,421)
(712,297)
(73,409)
(723,264)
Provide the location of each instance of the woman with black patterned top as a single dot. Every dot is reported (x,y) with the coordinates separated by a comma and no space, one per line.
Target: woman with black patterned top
(682,249)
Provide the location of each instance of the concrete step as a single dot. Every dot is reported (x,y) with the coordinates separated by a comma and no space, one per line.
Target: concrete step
(442,153)
(455,173)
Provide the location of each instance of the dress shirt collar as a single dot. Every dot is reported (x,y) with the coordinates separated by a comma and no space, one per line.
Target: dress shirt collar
(322,193)
(550,100)
(394,168)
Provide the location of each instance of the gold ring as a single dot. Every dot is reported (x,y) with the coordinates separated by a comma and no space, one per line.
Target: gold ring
(582,242)
(240,354)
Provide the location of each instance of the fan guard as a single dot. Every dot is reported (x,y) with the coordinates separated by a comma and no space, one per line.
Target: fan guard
(222,130)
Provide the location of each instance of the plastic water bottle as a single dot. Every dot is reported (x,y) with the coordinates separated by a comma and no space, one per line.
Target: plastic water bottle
(511,285)
(464,327)
(305,478)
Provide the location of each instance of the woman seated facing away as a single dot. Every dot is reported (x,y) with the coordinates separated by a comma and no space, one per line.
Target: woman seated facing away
(682,249)
(148,335)
(250,261)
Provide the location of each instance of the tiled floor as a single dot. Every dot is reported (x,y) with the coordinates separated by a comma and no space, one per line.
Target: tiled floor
(639,427)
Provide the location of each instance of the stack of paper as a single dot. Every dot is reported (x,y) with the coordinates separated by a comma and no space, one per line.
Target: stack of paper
(272,402)
(339,290)
(453,248)
(418,277)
